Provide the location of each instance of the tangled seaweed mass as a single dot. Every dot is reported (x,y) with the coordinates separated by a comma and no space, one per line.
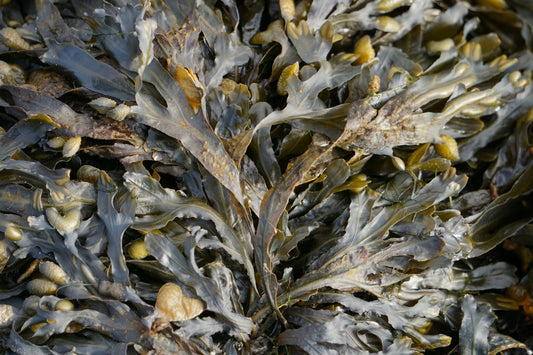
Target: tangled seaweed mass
(266,177)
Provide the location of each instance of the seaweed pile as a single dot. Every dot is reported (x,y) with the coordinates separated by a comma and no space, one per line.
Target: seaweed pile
(320,177)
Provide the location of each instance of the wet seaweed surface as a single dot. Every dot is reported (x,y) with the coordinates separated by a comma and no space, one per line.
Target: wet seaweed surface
(266,177)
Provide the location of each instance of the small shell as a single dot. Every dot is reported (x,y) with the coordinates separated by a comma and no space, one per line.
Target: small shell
(41,287)
(119,113)
(64,306)
(2,131)
(13,233)
(448,149)
(364,49)
(53,272)
(56,142)
(12,39)
(71,146)
(66,223)
(173,306)
(138,250)
(88,173)
(388,24)
(31,304)
(7,314)
(73,327)
(102,104)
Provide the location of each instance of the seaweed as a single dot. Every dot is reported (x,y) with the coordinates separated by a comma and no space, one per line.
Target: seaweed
(319,177)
